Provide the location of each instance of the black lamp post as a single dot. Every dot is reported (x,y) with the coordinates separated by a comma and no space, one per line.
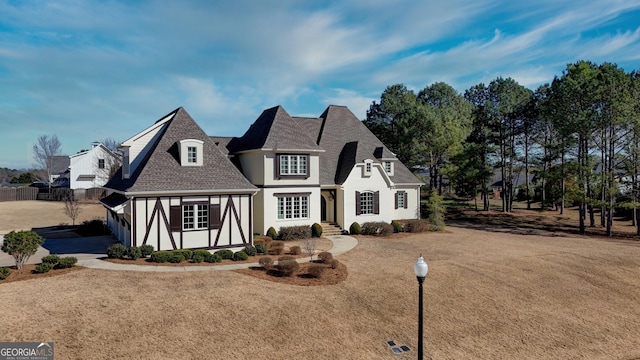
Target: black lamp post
(420,268)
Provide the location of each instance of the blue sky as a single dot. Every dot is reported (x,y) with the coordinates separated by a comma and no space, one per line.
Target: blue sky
(89,70)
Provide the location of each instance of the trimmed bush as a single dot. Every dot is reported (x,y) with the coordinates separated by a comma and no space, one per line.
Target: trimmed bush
(43,268)
(286,258)
(250,250)
(116,251)
(276,247)
(261,249)
(333,263)
(66,262)
(376,228)
(213,258)
(355,229)
(295,232)
(397,227)
(266,262)
(316,230)
(4,273)
(240,256)
(176,257)
(146,250)
(201,252)
(51,259)
(316,270)
(21,245)
(186,253)
(415,226)
(287,267)
(295,250)
(272,233)
(325,256)
(134,253)
(197,258)
(225,254)
(160,256)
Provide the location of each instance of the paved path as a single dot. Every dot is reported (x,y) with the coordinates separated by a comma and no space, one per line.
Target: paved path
(341,244)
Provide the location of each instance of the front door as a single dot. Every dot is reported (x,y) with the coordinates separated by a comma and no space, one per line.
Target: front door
(323,208)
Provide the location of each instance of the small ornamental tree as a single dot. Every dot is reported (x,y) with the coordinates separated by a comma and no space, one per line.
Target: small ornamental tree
(71,207)
(309,245)
(21,245)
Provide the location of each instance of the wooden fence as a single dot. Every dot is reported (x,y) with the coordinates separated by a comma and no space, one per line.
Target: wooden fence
(56,194)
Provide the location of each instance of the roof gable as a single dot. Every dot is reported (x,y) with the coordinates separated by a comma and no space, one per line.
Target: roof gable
(160,170)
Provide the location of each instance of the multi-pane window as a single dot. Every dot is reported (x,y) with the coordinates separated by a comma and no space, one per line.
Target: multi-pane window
(100,163)
(293,207)
(400,200)
(387,167)
(293,164)
(366,202)
(192,154)
(367,168)
(195,217)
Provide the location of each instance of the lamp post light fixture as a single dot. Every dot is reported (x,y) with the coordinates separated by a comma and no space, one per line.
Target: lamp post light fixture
(420,268)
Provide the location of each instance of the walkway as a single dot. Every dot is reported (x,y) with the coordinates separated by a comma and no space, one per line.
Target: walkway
(341,244)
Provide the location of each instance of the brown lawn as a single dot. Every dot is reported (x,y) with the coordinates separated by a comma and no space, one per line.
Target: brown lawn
(25,215)
(488,295)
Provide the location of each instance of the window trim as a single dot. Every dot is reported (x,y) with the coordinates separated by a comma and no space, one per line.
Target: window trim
(212,217)
(286,204)
(367,170)
(375,205)
(401,195)
(101,164)
(280,160)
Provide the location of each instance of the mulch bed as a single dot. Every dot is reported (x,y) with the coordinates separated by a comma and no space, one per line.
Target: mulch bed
(26,273)
(300,277)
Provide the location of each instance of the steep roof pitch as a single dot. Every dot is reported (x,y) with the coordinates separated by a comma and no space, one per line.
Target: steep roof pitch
(161,170)
(59,164)
(348,141)
(274,130)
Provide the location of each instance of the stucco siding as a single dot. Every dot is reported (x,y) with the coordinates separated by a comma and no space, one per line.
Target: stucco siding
(270,206)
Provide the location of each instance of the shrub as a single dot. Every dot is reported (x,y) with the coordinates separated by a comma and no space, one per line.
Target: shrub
(240,256)
(250,250)
(415,226)
(176,257)
(51,259)
(213,258)
(397,227)
(437,211)
(197,258)
(376,228)
(295,232)
(316,270)
(146,250)
(21,245)
(4,273)
(287,267)
(262,240)
(43,268)
(134,253)
(200,252)
(316,230)
(160,256)
(92,228)
(266,262)
(186,253)
(276,247)
(295,250)
(286,258)
(116,251)
(272,233)
(333,263)
(225,254)
(325,256)
(261,249)
(67,262)
(355,229)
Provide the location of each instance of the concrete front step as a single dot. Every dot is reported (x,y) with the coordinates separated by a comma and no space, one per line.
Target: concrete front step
(330,229)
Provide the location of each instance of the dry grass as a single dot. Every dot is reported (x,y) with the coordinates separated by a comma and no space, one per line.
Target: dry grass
(488,295)
(25,215)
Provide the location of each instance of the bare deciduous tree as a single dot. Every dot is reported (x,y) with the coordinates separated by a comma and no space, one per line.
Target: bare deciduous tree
(71,207)
(44,152)
(309,245)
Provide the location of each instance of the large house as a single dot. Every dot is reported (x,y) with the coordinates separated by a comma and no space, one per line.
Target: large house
(176,189)
(325,169)
(179,188)
(87,169)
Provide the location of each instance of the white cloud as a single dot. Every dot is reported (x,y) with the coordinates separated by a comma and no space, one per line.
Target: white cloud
(356,102)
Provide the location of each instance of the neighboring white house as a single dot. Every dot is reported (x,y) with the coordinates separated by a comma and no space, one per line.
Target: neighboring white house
(326,169)
(176,190)
(92,168)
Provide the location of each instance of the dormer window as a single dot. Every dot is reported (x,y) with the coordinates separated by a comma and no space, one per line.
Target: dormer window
(388,167)
(190,152)
(368,164)
(290,165)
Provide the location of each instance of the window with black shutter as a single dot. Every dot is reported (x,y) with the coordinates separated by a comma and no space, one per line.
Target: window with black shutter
(214,213)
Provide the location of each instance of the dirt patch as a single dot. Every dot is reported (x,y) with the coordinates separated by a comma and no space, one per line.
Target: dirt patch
(27,215)
(26,273)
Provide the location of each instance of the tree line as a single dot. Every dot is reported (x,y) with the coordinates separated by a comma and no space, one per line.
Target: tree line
(579,135)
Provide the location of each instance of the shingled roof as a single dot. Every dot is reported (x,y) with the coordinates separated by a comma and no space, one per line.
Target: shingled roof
(274,129)
(348,141)
(161,171)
